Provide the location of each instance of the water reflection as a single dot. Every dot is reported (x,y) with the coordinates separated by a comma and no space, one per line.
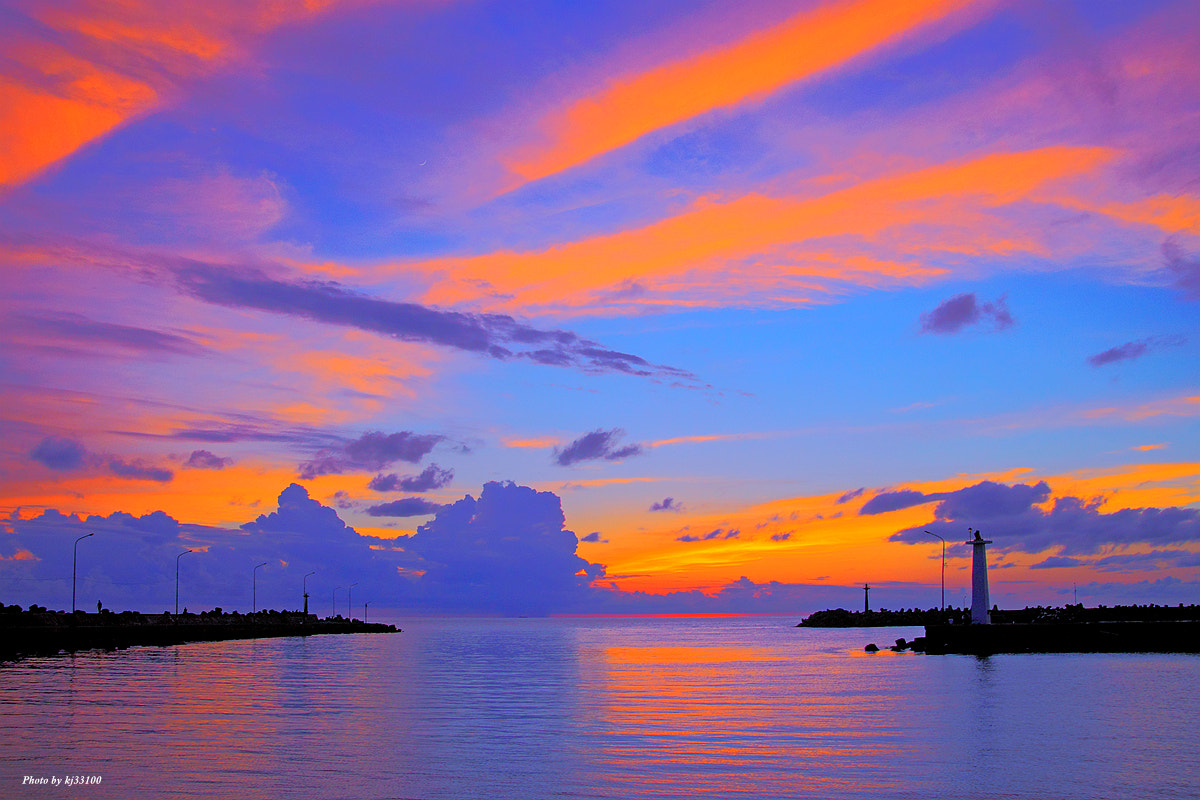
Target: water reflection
(600,708)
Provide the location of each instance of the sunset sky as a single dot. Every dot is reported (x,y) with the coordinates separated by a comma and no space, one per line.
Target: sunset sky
(759,292)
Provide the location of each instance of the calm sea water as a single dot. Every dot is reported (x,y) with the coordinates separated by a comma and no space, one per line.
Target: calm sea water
(599,708)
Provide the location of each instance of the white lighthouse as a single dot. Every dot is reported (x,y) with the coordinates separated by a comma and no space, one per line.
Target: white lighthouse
(980,604)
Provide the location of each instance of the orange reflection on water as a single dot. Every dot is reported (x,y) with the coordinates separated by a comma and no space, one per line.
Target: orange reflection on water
(684,720)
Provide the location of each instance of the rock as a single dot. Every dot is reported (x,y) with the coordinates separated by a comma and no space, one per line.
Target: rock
(872,648)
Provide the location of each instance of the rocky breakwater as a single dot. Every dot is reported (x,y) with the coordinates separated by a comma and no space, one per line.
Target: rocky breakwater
(37,630)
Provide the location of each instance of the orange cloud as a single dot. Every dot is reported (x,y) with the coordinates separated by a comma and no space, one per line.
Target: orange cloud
(102,63)
(806,44)
(759,239)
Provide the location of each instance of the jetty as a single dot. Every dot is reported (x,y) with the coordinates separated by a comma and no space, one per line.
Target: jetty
(39,631)
(984,629)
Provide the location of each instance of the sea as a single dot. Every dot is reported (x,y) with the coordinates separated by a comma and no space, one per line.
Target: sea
(597,707)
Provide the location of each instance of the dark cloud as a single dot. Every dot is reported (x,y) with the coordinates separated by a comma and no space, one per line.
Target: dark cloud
(1155,559)
(80,330)
(780,537)
(1057,562)
(719,533)
(962,310)
(138,470)
(1010,516)
(597,445)
(61,453)
(494,335)
(593,537)
(667,504)
(1183,269)
(57,452)
(893,501)
(507,551)
(1131,350)
(405,507)
(851,495)
(432,477)
(203,459)
(370,452)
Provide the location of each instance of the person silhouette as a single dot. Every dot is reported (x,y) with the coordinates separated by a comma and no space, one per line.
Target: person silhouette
(99,606)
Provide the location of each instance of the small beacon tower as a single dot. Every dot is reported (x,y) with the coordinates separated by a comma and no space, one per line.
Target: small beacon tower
(980,604)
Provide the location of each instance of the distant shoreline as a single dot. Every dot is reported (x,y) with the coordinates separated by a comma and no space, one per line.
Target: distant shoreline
(38,631)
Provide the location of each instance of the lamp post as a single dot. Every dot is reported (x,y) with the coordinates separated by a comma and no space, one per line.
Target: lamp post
(74,561)
(254,587)
(333,605)
(305,584)
(349,597)
(181,555)
(934,535)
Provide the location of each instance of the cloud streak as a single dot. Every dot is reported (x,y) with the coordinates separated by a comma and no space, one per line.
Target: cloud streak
(599,445)
(964,310)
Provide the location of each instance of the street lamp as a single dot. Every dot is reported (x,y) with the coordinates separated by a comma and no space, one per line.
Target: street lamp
(181,555)
(943,568)
(333,605)
(305,584)
(74,561)
(254,587)
(349,596)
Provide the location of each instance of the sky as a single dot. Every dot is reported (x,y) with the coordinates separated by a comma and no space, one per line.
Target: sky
(531,307)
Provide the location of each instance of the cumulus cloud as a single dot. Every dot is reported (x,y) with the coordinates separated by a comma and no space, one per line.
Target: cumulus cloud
(1012,518)
(509,550)
(962,310)
(203,459)
(432,477)
(667,504)
(372,451)
(597,445)
(405,507)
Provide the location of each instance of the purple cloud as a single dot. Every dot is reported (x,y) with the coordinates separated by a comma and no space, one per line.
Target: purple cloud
(370,452)
(203,459)
(1184,270)
(851,495)
(138,470)
(432,477)
(719,533)
(667,504)
(1012,518)
(495,335)
(962,310)
(57,452)
(894,501)
(405,507)
(1057,562)
(80,330)
(507,551)
(597,445)
(1132,350)
(593,537)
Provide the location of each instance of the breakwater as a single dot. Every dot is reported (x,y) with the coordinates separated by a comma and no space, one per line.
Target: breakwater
(37,631)
(1145,636)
